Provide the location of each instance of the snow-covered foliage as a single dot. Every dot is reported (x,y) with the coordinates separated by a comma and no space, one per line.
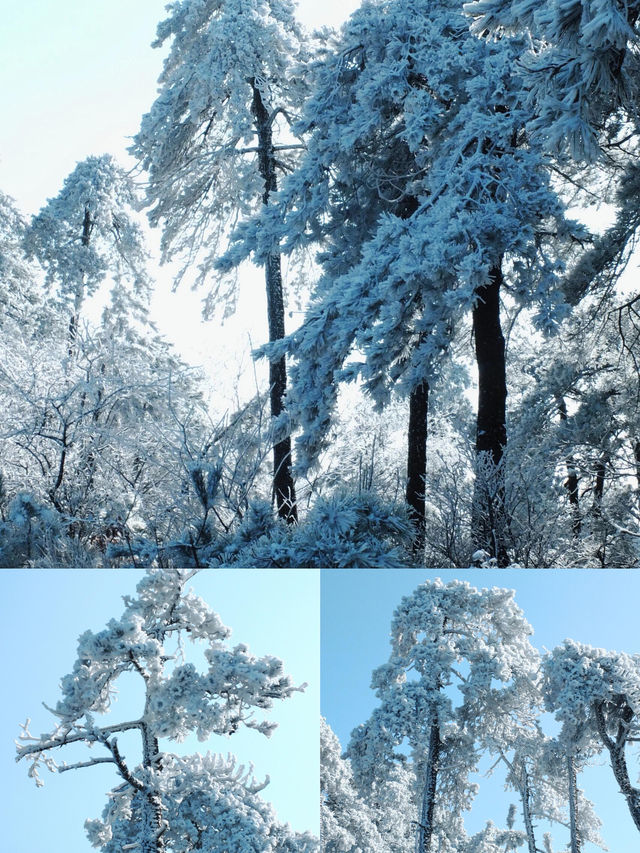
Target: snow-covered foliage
(197,142)
(347,820)
(342,531)
(582,682)
(210,804)
(436,631)
(582,62)
(19,297)
(595,694)
(96,436)
(89,232)
(418,181)
(574,422)
(170,802)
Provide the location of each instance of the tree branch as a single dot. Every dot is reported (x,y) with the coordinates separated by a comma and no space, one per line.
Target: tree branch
(86,735)
(62,768)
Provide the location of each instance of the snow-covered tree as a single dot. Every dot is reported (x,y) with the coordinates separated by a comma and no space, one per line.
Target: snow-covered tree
(573,426)
(582,66)
(347,820)
(341,531)
(88,233)
(595,694)
(20,300)
(169,802)
(443,637)
(100,440)
(430,203)
(492,839)
(543,774)
(213,145)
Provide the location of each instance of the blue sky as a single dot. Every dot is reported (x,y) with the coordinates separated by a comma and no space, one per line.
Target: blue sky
(42,614)
(599,608)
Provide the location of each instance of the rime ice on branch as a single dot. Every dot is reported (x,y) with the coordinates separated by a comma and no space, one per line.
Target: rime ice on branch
(170,802)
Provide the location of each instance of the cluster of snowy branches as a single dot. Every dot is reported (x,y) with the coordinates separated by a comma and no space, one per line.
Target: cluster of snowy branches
(436,157)
(165,801)
(464,688)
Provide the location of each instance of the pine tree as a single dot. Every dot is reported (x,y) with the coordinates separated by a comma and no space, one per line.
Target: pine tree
(169,802)
(438,633)
(594,694)
(88,233)
(213,145)
(347,820)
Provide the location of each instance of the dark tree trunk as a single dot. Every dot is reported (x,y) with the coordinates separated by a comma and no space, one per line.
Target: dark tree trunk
(571,483)
(74,320)
(491,432)
(636,456)
(283,485)
(598,489)
(417,462)
(526,812)
(425,826)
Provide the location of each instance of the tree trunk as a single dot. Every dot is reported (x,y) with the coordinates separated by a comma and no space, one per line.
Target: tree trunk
(425,826)
(525,792)
(576,840)
(598,489)
(417,462)
(636,456)
(152,822)
(417,432)
(283,485)
(571,483)
(491,432)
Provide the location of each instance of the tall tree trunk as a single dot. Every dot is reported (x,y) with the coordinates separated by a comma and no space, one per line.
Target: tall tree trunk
(571,483)
(417,462)
(491,433)
(576,840)
(74,320)
(598,488)
(636,456)
(425,826)
(283,485)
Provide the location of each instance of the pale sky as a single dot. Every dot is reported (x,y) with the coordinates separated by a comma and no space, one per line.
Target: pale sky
(75,80)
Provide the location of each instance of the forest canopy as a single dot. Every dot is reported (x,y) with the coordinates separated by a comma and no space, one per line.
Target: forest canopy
(461,385)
